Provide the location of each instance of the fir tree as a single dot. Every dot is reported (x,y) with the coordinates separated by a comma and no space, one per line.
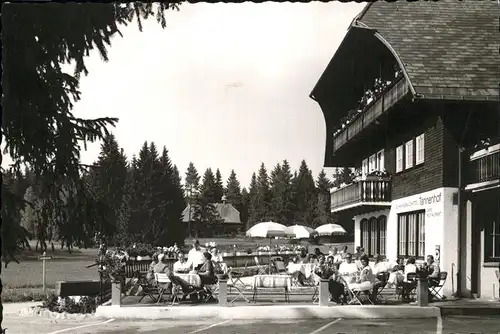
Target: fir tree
(218,187)
(252,202)
(192,179)
(208,187)
(323,212)
(305,196)
(233,191)
(109,178)
(281,194)
(261,205)
(205,213)
(245,203)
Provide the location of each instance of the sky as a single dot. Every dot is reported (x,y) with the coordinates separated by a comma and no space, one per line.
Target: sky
(224,85)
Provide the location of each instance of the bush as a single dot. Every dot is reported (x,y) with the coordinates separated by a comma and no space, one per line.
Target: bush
(19,296)
(85,305)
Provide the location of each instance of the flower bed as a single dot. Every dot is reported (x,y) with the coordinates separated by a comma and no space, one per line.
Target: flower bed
(71,305)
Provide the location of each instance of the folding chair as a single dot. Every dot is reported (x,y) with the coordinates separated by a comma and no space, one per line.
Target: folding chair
(382,278)
(232,283)
(162,281)
(234,277)
(261,268)
(279,265)
(435,290)
(315,296)
(209,291)
(410,285)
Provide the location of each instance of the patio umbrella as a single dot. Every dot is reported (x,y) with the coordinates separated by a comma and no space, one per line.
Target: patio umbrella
(330,229)
(301,231)
(269,230)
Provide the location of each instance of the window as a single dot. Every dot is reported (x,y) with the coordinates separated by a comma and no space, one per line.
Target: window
(373,232)
(380,160)
(372,163)
(409,154)
(419,148)
(399,159)
(492,241)
(364,166)
(411,234)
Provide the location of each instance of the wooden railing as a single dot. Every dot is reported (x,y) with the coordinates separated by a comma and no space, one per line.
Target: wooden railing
(368,191)
(485,165)
(370,115)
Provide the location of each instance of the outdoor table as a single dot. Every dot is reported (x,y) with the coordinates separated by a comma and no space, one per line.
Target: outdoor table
(192,279)
(304,268)
(272,281)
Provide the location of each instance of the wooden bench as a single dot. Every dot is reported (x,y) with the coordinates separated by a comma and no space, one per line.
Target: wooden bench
(82,288)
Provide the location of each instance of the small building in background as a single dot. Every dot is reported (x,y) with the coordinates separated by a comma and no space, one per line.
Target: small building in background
(229,222)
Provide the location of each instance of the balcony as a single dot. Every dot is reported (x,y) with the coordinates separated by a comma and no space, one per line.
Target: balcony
(362,196)
(373,111)
(484,168)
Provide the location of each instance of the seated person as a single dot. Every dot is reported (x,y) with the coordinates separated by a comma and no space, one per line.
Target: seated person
(366,279)
(303,258)
(434,271)
(348,269)
(327,270)
(379,267)
(343,252)
(408,286)
(162,268)
(397,275)
(181,266)
(150,277)
(216,255)
(317,252)
(195,256)
(207,271)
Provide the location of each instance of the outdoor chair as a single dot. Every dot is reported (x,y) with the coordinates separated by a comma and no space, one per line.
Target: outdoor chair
(162,281)
(315,296)
(232,282)
(279,265)
(435,290)
(209,291)
(147,289)
(410,286)
(262,270)
(382,278)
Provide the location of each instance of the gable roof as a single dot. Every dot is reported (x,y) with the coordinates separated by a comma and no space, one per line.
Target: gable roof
(448,48)
(226,211)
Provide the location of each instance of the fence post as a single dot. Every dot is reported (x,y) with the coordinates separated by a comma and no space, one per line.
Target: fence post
(222,292)
(116,294)
(423,292)
(324,293)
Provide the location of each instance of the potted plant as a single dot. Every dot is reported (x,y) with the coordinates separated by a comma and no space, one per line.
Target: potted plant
(112,266)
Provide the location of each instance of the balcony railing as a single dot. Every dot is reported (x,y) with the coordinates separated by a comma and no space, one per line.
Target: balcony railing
(370,115)
(484,165)
(361,192)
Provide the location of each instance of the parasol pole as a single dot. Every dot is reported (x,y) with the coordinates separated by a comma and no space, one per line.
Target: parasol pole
(270,249)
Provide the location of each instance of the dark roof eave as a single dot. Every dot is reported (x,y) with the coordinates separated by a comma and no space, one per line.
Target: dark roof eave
(354,25)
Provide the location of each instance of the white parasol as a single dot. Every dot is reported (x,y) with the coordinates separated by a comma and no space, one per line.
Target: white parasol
(300,231)
(269,230)
(330,229)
